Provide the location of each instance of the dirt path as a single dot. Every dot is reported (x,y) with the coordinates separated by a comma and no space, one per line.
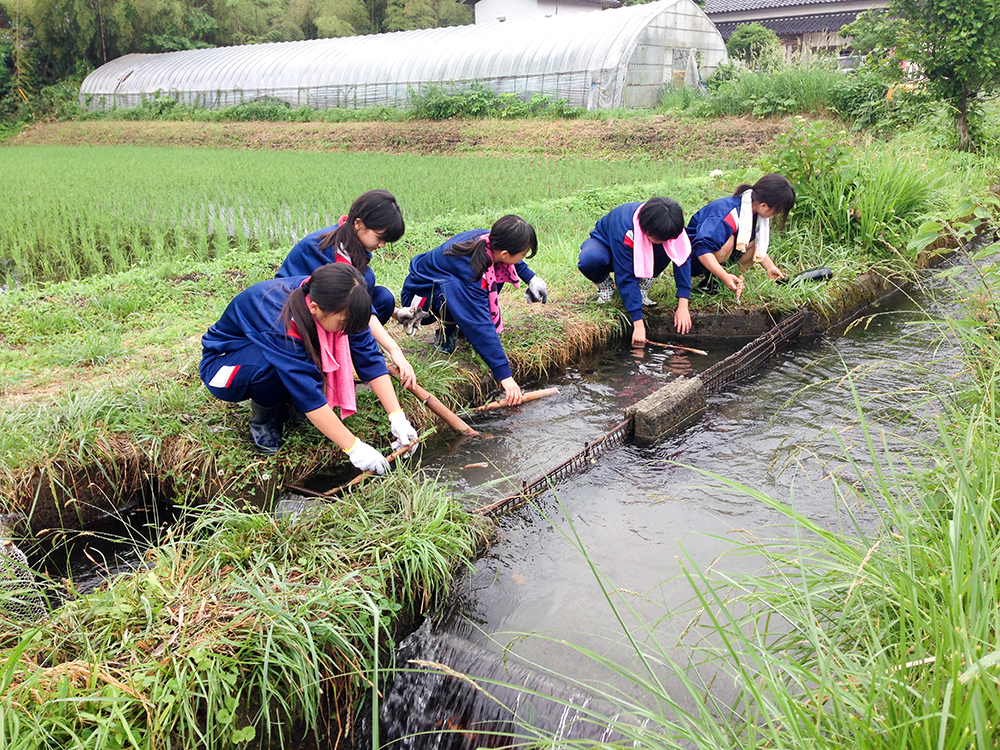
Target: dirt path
(658,136)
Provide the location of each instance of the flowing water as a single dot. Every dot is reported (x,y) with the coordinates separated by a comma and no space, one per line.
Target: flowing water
(643,515)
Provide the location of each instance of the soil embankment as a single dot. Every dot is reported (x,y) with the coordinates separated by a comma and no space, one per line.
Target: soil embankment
(659,136)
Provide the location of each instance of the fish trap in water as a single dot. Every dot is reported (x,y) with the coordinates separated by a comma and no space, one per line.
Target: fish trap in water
(617,437)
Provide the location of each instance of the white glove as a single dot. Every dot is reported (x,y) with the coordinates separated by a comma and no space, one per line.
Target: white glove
(402,431)
(536,291)
(410,318)
(366,458)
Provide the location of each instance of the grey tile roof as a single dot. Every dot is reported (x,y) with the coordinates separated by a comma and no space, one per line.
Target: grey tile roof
(733,6)
(795,25)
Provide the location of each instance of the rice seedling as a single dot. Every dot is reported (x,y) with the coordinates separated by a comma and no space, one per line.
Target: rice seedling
(152,205)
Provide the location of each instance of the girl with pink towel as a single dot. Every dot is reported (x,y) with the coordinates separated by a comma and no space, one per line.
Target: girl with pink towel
(284,344)
(637,242)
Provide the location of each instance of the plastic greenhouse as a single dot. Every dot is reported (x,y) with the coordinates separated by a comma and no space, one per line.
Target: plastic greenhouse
(610,58)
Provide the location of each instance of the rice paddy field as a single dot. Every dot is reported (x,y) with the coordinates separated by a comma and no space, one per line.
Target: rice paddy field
(72,212)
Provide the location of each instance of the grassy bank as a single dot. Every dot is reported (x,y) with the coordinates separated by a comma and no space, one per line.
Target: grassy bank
(240,630)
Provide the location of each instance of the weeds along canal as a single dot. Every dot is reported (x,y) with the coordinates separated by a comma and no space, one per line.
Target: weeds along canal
(639,515)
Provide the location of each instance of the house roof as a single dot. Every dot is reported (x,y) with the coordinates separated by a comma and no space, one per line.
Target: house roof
(794,25)
(735,6)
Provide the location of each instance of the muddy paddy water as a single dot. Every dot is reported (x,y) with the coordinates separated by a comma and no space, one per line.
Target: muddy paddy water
(639,512)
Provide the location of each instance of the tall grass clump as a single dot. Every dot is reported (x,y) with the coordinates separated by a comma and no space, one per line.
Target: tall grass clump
(243,627)
(869,199)
(791,89)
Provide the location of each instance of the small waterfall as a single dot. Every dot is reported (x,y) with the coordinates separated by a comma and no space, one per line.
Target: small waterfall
(450,694)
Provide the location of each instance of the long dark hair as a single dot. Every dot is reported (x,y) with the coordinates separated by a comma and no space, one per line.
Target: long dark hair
(510,233)
(662,218)
(335,287)
(774,190)
(380,212)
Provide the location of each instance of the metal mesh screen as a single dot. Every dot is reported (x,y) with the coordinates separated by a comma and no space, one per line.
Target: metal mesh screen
(752,356)
(732,368)
(613,439)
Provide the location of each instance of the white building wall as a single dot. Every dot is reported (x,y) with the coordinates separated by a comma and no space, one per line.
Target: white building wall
(492,11)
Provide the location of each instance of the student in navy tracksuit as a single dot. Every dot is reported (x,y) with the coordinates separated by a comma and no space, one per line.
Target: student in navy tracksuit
(459,282)
(373,220)
(716,238)
(611,248)
(282,344)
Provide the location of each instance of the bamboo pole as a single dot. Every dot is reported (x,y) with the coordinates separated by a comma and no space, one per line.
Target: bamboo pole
(431,402)
(678,347)
(529,396)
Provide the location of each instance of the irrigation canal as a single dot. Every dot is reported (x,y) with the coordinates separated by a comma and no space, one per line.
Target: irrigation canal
(639,512)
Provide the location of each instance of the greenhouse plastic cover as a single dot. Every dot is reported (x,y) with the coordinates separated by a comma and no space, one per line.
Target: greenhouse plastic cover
(599,59)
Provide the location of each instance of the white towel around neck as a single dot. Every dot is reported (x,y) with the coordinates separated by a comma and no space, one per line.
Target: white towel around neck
(746,227)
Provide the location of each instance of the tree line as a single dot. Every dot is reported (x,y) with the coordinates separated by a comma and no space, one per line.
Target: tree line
(44,41)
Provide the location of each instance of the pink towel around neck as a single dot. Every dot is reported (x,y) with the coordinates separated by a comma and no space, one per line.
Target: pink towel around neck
(497,273)
(677,249)
(338,369)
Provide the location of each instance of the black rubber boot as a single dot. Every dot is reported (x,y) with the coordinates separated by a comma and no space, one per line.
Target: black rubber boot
(445,338)
(265,427)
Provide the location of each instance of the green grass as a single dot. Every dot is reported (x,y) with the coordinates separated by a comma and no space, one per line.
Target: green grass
(241,627)
(795,88)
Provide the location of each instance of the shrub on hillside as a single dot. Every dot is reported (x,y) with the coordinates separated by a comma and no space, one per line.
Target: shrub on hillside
(725,73)
(756,46)
(876,96)
(265,110)
(478,101)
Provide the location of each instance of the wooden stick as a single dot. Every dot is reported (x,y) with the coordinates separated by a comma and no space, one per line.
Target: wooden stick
(678,347)
(365,474)
(529,396)
(431,402)
(303,491)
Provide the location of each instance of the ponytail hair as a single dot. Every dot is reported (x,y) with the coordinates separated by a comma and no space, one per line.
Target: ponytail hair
(378,211)
(774,190)
(510,233)
(335,287)
(662,218)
